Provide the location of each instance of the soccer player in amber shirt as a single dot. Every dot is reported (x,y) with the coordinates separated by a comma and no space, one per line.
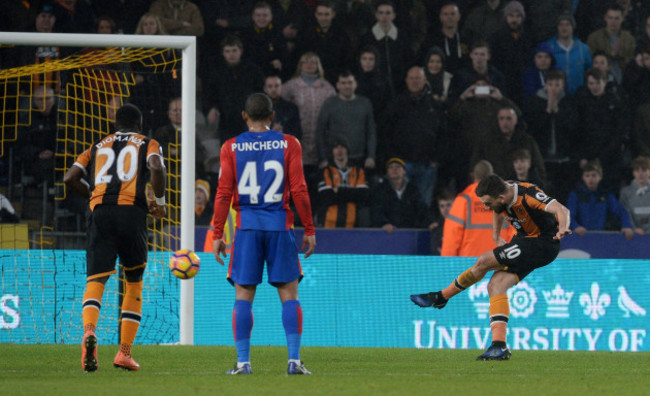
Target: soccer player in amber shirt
(116,168)
(540,221)
(260,170)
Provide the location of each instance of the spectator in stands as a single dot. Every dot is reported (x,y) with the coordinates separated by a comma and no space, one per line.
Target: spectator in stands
(308,90)
(522,171)
(572,55)
(125,13)
(397,203)
(483,21)
(105,25)
(438,78)
(541,63)
(37,141)
(179,17)
(472,115)
(347,116)
(287,116)
(7,211)
(602,62)
(45,22)
(169,136)
(370,82)
(468,228)
(73,16)
(635,197)
(392,46)
(552,119)
(343,192)
(150,24)
(510,47)
(228,85)
(636,79)
(448,38)
(413,131)
(595,209)
(263,40)
(617,43)
(542,16)
(480,69)
(603,128)
(410,19)
(356,17)
(202,205)
(497,147)
(443,202)
(327,40)
(291,17)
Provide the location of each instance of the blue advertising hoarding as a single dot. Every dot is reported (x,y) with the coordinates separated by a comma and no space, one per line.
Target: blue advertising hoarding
(348,300)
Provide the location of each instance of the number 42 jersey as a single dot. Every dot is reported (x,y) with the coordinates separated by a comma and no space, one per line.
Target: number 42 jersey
(260,171)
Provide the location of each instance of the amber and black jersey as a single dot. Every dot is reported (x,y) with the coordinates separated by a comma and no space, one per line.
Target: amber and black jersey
(116,168)
(527,212)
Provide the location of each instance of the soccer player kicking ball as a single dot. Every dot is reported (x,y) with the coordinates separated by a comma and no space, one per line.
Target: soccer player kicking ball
(540,221)
(260,170)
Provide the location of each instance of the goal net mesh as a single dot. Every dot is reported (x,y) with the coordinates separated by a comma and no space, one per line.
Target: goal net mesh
(42,288)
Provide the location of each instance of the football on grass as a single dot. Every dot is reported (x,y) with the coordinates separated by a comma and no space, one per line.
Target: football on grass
(184,264)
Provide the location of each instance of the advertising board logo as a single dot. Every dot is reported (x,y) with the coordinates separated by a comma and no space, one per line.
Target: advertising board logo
(478,293)
(628,305)
(558,301)
(594,303)
(522,300)
(9,313)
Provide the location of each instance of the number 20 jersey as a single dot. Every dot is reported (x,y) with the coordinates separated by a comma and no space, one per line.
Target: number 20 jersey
(260,171)
(116,168)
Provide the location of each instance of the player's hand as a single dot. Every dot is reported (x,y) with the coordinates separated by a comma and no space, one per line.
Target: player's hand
(581,230)
(629,233)
(219,247)
(309,242)
(158,211)
(562,233)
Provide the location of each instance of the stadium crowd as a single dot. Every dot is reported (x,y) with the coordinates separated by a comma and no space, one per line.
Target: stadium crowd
(399,97)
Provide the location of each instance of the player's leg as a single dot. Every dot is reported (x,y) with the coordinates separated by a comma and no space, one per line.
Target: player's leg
(245,273)
(100,264)
(486,262)
(285,273)
(292,322)
(132,248)
(499,284)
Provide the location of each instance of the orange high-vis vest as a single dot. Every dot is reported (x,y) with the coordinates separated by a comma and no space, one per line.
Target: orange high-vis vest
(468,228)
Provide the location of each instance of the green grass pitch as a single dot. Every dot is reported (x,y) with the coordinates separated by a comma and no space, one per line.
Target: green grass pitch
(190,370)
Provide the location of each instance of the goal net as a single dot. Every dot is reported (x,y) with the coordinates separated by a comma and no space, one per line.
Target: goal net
(70,102)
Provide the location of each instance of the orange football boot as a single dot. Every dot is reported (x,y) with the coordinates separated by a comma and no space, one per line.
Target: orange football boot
(89,352)
(126,362)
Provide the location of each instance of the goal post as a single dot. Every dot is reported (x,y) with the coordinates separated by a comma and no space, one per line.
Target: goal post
(187,44)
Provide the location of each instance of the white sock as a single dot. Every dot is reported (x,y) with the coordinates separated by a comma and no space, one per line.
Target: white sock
(298,362)
(241,364)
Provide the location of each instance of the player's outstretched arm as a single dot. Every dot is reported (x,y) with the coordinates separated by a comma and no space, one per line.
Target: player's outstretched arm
(563,216)
(73,180)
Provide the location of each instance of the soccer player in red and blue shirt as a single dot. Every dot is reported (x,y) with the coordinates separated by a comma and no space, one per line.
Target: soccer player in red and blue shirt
(260,170)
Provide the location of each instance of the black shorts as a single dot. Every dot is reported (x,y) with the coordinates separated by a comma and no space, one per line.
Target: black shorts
(522,255)
(116,230)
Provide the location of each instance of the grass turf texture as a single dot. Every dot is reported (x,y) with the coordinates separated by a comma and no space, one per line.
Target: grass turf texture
(186,370)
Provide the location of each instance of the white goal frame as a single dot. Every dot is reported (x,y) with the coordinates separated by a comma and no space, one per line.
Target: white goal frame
(188,46)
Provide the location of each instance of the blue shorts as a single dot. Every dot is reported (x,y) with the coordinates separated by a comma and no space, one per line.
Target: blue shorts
(254,247)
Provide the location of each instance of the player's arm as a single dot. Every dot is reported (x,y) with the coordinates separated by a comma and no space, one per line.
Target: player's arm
(222,202)
(497,225)
(300,195)
(563,217)
(73,179)
(158,177)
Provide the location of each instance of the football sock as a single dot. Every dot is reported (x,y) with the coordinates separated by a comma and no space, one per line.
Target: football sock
(242,325)
(131,315)
(292,322)
(464,280)
(499,313)
(92,303)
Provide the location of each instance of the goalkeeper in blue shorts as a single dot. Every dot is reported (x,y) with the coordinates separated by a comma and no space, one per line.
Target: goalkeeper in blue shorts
(261,169)
(541,222)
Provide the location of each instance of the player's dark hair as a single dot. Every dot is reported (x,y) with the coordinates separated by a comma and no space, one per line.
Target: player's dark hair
(259,107)
(128,118)
(491,185)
